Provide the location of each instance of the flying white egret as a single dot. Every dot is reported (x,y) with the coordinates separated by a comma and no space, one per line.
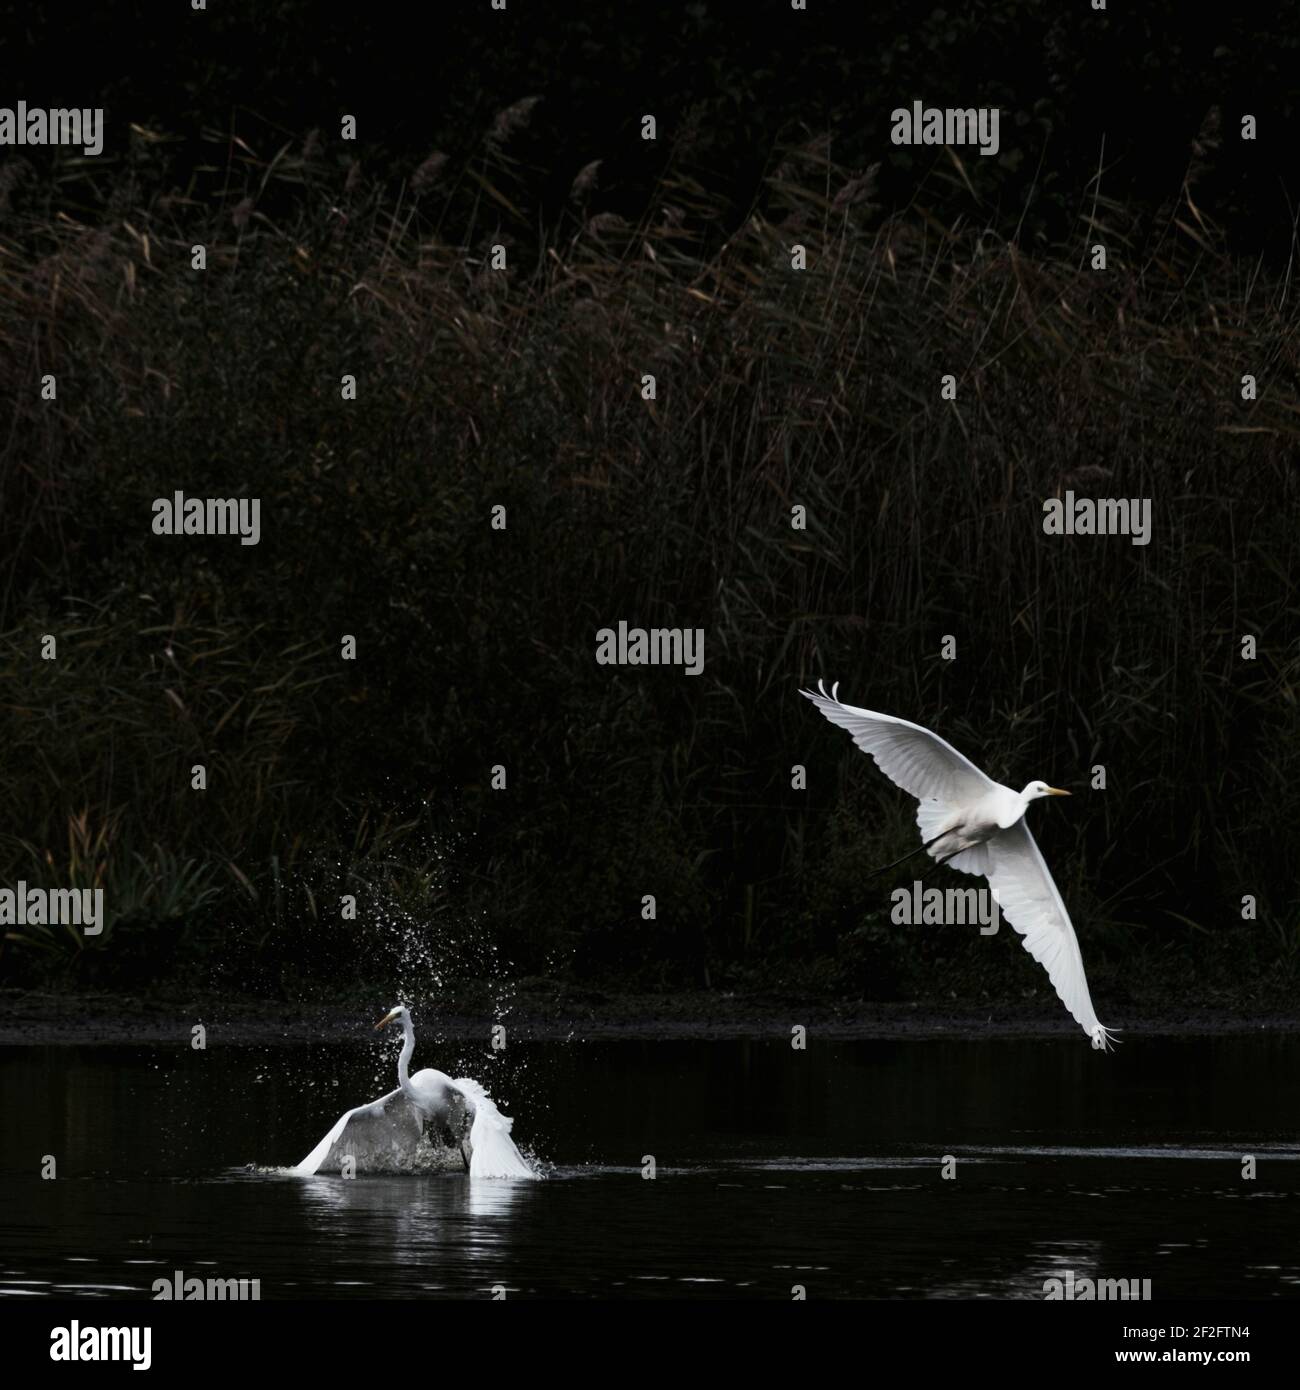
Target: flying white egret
(386,1133)
(975,824)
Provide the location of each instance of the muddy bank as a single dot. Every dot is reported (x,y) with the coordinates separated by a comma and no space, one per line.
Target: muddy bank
(32,1017)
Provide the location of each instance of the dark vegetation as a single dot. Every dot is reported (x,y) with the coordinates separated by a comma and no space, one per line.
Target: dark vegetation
(776,388)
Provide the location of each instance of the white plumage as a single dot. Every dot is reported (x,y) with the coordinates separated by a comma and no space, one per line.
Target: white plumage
(428,1119)
(976,825)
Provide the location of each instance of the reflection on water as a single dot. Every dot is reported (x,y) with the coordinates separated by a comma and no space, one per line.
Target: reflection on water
(772,1168)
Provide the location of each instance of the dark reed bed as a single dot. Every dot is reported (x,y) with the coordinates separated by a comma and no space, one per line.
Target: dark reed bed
(522,387)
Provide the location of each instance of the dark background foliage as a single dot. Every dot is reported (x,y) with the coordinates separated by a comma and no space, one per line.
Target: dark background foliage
(775,389)
(731,80)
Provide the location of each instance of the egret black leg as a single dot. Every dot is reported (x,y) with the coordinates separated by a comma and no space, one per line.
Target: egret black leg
(947,857)
(861,902)
(911,854)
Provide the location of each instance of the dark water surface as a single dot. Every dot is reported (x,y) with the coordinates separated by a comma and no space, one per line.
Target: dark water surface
(775,1168)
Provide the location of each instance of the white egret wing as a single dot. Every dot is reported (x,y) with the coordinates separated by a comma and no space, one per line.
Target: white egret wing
(492,1152)
(911,757)
(1028,898)
(383,1135)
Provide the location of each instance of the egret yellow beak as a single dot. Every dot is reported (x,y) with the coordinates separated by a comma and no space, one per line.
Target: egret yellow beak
(387,1018)
(1056,791)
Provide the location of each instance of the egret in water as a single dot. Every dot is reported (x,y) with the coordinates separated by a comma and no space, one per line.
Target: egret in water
(977,825)
(387,1132)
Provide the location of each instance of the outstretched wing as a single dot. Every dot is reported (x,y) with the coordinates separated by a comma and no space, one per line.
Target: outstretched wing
(1029,899)
(911,757)
(492,1152)
(383,1136)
